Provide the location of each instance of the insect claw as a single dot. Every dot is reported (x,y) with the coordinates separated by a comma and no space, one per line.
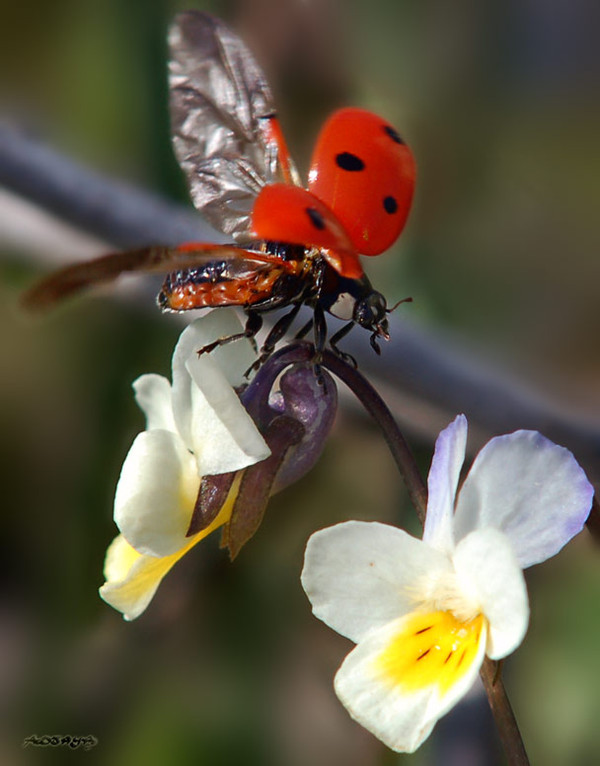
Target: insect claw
(349,359)
(253,368)
(209,347)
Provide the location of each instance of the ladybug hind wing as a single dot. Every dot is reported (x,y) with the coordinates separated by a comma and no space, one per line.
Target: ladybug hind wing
(75,278)
(222,119)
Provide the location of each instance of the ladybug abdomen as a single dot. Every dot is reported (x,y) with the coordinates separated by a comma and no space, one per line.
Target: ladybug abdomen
(230,283)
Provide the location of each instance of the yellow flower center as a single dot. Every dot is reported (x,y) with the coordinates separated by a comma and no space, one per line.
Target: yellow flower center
(431,648)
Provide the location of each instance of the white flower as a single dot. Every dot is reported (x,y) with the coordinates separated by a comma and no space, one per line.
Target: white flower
(424,613)
(195,427)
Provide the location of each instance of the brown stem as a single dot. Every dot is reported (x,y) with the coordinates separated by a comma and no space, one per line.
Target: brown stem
(376,407)
(374,404)
(593,521)
(503,714)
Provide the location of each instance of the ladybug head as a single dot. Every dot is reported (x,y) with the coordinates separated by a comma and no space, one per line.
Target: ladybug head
(369,312)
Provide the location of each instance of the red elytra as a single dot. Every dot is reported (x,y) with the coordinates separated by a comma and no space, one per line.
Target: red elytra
(365,173)
(285,213)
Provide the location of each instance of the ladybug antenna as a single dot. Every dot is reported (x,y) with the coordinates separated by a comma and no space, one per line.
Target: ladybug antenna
(395,306)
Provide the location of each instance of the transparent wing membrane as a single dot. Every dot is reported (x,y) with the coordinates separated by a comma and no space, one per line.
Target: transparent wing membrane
(73,279)
(225,133)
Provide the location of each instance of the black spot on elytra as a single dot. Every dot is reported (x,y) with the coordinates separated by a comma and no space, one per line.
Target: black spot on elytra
(393,134)
(390,205)
(315,218)
(349,161)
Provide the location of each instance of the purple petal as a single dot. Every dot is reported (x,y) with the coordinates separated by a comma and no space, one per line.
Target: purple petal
(311,400)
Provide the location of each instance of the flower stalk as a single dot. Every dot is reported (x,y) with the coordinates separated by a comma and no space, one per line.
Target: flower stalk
(504,717)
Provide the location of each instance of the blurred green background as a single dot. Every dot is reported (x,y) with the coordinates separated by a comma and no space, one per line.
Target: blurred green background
(499,102)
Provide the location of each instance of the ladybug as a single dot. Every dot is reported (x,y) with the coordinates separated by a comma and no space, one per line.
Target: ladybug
(291,246)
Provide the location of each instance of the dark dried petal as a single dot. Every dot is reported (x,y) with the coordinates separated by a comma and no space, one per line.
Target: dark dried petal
(211,497)
(256,485)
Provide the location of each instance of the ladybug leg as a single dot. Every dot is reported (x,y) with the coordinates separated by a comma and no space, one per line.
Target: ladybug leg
(320,331)
(335,339)
(304,330)
(253,325)
(276,333)
(320,327)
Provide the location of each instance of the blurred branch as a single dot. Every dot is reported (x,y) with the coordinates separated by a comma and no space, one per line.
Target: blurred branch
(434,374)
(108,209)
(426,378)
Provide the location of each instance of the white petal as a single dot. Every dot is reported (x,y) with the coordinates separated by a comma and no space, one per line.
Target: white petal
(530,489)
(127,588)
(443,478)
(223,435)
(233,359)
(156,493)
(208,413)
(360,575)
(399,709)
(490,576)
(120,557)
(132,578)
(153,395)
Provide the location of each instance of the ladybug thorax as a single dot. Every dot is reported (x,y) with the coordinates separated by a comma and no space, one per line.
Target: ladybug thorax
(352,300)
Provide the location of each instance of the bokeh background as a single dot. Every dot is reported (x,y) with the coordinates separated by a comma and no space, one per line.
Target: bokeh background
(499,102)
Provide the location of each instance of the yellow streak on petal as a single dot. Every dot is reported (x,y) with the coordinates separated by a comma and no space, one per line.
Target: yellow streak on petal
(432,649)
(132,577)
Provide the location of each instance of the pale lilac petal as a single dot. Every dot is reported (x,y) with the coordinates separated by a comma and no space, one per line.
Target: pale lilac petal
(360,575)
(491,578)
(401,715)
(442,482)
(530,489)
(153,395)
(156,493)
